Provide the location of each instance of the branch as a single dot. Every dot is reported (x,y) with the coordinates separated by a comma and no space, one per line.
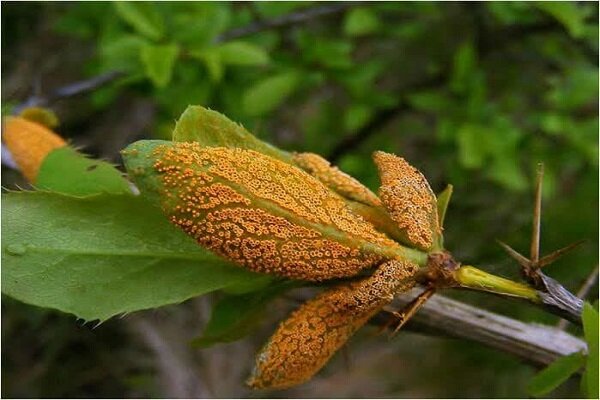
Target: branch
(486,43)
(98,81)
(176,368)
(536,344)
(70,90)
(286,20)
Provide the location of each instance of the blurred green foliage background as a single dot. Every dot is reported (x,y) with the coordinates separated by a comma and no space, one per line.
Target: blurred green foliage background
(473,94)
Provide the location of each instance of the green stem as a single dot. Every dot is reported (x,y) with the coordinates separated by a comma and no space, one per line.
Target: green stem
(472,278)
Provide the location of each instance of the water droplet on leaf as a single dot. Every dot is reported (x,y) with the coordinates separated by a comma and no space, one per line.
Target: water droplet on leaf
(16,249)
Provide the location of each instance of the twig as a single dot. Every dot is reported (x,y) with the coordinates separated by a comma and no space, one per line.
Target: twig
(286,20)
(582,293)
(381,119)
(488,43)
(176,371)
(96,82)
(70,90)
(537,344)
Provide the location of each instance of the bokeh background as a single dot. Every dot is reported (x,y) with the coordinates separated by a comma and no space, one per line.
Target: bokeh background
(473,94)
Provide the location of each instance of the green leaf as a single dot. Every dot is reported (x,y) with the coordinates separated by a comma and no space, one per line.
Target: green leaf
(569,14)
(269,93)
(101,256)
(142,16)
(122,53)
(471,146)
(555,374)
(212,129)
(507,171)
(67,171)
(243,53)
(433,101)
(360,21)
(590,330)
(234,317)
(212,61)
(443,199)
(159,61)
(357,116)
(465,64)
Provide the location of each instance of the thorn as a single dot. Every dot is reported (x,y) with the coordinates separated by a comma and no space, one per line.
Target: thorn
(537,215)
(555,255)
(411,308)
(521,259)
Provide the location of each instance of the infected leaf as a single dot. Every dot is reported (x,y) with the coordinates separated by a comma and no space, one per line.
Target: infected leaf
(29,143)
(304,342)
(258,211)
(335,179)
(409,200)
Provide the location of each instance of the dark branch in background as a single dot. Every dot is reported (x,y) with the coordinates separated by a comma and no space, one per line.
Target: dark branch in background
(487,42)
(70,90)
(96,82)
(286,20)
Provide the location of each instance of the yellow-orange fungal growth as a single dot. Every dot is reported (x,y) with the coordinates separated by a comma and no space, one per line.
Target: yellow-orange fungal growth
(334,178)
(409,200)
(263,213)
(312,334)
(29,143)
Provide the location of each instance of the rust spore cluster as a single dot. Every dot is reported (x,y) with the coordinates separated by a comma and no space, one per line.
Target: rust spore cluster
(241,204)
(293,220)
(312,334)
(408,198)
(334,178)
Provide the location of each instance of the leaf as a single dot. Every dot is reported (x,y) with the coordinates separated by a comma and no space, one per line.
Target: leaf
(101,256)
(357,116)
(507,171)
(243,53)
(142,16)
(159,61)
(472,147)
(269,93)
(443,199)
(569,14)
(234,317)
(465,64)
(555,374)
(590,330)
(123,53)
(67,171)
(257,211)
(213,129)
(360,21)
(408,199)
(40,115)
(212,61)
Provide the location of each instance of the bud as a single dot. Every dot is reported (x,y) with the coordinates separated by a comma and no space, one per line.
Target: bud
(29,143)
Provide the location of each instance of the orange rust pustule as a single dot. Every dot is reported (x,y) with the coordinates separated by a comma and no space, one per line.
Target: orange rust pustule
(29,143)
(334,178)
(408,198)
(304,342)
(224,198)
